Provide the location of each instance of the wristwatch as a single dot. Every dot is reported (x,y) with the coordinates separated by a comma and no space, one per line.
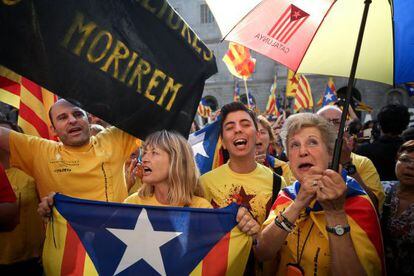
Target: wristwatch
(338,230)
(350,168)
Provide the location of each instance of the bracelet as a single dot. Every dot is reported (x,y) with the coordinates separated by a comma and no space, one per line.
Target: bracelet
(283,226)
(286,221)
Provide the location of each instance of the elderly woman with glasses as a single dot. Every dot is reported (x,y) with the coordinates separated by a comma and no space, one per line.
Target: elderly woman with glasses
(398,215)
(323,224)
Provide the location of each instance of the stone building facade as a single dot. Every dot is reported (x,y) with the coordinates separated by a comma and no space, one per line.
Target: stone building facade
(220,86)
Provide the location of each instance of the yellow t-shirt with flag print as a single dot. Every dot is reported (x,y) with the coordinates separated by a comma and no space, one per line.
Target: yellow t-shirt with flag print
(94,171)
(253,190)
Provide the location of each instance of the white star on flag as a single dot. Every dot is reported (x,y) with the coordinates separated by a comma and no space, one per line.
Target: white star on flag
(142,243)
(328,97)
(196,142)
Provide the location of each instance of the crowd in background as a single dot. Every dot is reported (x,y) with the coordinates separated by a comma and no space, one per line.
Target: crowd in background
(283,162)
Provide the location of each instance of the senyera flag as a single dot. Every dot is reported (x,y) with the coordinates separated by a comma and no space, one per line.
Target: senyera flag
(91,237)
(32,100)
(135,64)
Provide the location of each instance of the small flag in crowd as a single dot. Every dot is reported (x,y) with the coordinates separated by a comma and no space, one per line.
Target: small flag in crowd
(271,107)
(236,91)
(329,97)
(303,95)
(32,100)
(203,109)
(251,103)
(100,238)
(292,82)
(206,144)
(239,61)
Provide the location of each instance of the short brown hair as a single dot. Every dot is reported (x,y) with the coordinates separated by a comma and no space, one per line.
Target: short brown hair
(407,147)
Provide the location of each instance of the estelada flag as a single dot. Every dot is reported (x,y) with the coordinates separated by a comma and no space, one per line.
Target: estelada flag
(281,29)
(134,64)
(239,61)
(362,218)
(206,144)
(32,100)
(92,237)
(329,97)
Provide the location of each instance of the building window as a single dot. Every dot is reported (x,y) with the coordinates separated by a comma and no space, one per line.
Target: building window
(205,14)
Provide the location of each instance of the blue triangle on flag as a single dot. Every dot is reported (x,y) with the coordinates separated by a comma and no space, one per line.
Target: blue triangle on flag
(199,230)
(204,144)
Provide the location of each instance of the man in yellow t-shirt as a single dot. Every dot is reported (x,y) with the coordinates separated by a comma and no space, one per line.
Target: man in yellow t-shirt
(242,179)
(79,165)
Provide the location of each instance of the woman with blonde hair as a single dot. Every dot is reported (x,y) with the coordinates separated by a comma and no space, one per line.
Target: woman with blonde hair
(170,174)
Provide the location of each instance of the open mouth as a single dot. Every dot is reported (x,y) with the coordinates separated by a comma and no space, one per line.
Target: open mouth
(240,142)
(147,170)
(75,130)
(305,166)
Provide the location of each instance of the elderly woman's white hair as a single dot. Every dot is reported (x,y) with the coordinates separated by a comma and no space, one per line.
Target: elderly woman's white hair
(296,122)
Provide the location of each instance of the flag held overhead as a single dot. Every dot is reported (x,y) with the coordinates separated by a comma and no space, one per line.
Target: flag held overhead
(122,60)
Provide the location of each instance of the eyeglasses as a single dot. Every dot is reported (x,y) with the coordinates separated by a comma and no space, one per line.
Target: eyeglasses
(335,121)
(406,161)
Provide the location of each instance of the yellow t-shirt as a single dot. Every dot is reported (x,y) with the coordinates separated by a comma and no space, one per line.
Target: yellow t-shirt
(222,186)
(196,202)
(26,240)
(369,175)
(94,171)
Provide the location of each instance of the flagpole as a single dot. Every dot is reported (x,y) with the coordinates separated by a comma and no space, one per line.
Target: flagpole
(247,93)
(338,144)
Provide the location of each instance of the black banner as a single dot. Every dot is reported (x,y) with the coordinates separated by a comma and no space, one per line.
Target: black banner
(133,63)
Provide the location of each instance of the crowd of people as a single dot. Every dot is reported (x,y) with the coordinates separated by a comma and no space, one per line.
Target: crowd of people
(304,218)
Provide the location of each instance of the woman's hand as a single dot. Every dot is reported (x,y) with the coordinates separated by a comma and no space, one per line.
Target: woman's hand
(45,207)
(246,223)
(260,158)
(331,191)
(308,188)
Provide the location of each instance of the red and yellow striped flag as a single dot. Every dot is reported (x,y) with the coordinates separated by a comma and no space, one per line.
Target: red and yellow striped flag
(32,100)
(298,87)
(239,61)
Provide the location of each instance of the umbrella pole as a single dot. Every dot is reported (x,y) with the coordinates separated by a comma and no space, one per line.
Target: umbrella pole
(247,93)
(338,144)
